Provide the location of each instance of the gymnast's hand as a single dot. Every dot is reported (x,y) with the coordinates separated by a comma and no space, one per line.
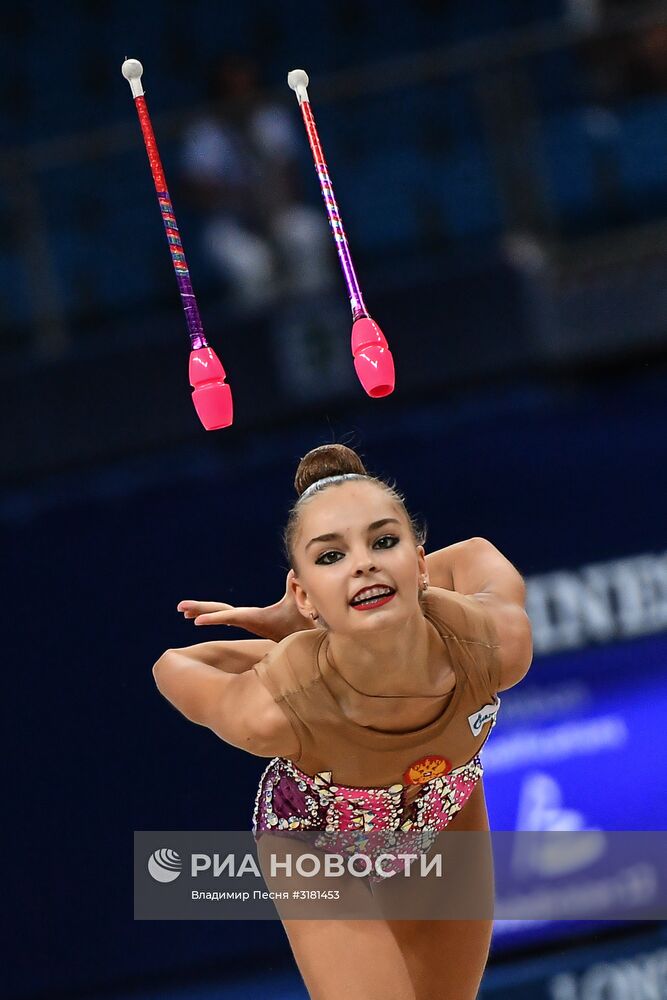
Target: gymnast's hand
(273,622)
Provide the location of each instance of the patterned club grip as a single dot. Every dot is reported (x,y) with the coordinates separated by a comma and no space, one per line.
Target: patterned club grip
(335,221)
(192,317)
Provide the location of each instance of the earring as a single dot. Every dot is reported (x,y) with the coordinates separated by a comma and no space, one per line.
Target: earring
(424,585)
(313,615)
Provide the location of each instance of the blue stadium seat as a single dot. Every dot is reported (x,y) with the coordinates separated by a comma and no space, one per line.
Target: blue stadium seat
(468,194)
(643,147)
(564,152)
(379,210)
(555,80)
(15,297)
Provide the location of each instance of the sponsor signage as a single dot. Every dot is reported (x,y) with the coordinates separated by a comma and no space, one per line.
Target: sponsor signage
(579,747)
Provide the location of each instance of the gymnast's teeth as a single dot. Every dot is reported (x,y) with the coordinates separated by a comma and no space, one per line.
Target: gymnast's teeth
(372,594)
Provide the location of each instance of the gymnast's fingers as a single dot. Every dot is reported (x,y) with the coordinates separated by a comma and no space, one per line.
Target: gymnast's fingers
(192,609)
(228,616)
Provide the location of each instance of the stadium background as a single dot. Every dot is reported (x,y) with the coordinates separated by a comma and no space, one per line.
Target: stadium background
(502,172)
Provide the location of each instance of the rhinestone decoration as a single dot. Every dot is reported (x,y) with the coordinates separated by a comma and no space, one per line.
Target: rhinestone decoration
(287,798)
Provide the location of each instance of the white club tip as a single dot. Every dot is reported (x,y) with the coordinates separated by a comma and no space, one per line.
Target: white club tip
(132,71)
(297,78)
(298,81)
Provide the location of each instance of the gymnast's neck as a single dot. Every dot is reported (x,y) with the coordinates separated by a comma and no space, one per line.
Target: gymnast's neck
(402,659)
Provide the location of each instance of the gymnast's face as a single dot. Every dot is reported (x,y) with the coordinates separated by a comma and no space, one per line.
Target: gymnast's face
(368,543)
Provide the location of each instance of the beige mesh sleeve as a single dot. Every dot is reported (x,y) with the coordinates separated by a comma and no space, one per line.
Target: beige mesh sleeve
(471,623)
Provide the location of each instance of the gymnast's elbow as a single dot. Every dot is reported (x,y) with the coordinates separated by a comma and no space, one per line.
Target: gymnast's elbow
(517,649)
(178,685)
(163,674)
(161,666)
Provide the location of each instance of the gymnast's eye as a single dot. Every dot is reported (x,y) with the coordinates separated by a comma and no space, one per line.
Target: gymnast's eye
(388,538)
(320,561)
(323,560)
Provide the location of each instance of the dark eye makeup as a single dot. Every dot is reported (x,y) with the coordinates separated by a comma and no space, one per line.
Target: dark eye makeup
(334,552)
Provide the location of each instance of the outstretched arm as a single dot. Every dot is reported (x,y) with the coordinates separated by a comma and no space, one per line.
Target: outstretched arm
(234,703)
(233,656)
(470,567)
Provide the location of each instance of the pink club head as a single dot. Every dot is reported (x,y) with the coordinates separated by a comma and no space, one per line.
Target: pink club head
(212,396)
(373,362)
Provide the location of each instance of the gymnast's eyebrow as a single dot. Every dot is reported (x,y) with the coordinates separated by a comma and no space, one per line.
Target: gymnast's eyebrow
(371,527)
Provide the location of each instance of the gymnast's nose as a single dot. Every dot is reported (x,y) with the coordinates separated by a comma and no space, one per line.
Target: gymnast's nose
(364,565)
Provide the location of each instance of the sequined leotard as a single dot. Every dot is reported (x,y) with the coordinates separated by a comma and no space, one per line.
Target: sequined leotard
(353,778)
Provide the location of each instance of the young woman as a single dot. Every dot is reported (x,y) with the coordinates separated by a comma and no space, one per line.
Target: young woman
(373,691)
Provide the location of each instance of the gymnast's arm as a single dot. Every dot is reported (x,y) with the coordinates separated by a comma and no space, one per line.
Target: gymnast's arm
(234,656)
(475,567)
(469,567)
(212,684)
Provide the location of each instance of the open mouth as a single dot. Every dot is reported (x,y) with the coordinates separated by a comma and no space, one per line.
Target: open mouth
(373,601)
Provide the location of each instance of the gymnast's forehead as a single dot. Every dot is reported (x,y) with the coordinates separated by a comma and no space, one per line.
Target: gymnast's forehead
(347,505)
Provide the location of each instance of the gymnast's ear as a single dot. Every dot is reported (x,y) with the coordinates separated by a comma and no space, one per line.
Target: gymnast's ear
(304,607)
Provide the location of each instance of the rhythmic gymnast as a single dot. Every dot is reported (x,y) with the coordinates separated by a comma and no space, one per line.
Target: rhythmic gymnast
(373,689)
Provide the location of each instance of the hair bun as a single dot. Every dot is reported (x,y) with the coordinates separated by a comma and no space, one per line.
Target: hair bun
(327,460)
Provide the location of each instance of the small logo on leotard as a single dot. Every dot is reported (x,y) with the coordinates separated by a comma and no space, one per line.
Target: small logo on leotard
(487,713)
(425,769)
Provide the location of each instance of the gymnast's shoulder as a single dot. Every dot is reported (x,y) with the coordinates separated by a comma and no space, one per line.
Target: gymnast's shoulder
(292,663)
(497,630)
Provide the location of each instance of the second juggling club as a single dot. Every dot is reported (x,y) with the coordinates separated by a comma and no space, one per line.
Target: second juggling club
(372,358)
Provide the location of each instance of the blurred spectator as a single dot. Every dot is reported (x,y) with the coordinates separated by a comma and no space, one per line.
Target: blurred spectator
(583,15)
(618,67)
(240,171)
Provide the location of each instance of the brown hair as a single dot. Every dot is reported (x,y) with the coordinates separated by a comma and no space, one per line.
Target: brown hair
(317,468)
